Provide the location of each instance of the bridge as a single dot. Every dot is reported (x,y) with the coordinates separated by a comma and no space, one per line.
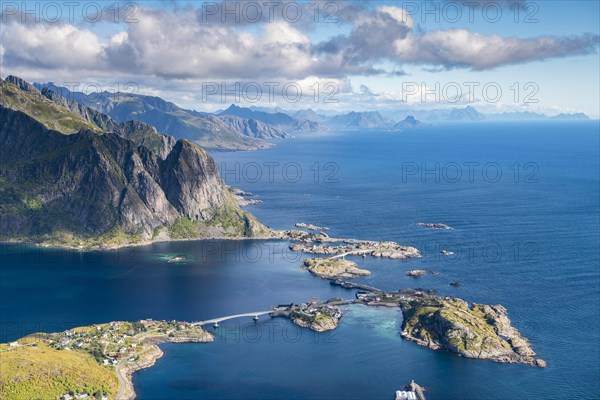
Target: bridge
(215,321)
(352,253)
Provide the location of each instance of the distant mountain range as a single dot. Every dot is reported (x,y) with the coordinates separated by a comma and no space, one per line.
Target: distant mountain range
(246,128)
(470,114)
(73,176)
(353,119)
(278,119)
(204,129)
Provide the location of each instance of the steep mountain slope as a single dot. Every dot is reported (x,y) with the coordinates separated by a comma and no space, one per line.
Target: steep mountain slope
(102,189)
(60,117)
(203,129)
(19,95)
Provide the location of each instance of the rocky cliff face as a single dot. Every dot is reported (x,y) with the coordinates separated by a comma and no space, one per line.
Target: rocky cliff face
(109,188)
(145,135)
(253,127)
(477,331)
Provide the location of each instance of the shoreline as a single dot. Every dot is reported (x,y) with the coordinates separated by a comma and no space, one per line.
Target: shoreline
(131,245)
(321,317)
(152,353)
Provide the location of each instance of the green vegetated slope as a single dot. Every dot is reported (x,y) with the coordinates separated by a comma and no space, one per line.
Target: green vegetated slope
(35,370)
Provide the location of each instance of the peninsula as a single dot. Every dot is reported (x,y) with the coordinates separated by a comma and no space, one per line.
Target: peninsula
(98,361)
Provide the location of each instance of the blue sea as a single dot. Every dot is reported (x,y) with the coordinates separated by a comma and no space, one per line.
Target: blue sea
(522,200)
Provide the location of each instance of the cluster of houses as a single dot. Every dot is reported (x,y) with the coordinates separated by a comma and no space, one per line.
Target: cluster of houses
(315,306)
(366,297)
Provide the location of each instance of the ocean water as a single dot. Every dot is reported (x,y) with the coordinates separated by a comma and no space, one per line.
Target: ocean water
(523,202)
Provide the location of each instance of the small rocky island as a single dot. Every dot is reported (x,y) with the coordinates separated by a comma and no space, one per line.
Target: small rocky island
(433,226)
(177,259)
(451,324)
(317,316)
(417,273)
(311,227)
(315,245)
(334,268)
(473,331)
(241,197)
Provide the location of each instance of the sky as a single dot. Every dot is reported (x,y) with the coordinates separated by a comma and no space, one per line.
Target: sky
(495,55)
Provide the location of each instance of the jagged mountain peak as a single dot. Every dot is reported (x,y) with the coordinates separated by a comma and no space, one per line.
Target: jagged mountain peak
(21,83)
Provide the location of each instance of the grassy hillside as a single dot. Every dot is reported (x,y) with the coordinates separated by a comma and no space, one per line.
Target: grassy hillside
(35,370)
(52,115)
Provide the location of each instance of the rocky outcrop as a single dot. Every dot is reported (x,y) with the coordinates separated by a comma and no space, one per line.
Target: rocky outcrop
(317,323)
(417,273)
(476,331)
(334,268)
(146,135)
(103,121)
(319,317)
(432,225)
(21,84)
(310,227)
(196,199)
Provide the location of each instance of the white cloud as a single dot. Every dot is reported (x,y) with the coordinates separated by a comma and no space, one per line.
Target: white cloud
(177,44)
(50,45)
(462,48)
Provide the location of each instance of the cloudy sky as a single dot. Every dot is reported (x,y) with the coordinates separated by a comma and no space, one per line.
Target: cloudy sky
(495,55)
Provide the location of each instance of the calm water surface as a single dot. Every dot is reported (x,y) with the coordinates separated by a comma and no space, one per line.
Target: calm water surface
(525,217)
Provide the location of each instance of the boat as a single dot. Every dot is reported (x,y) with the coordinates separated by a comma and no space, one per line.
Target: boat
(411,391)
(177,259)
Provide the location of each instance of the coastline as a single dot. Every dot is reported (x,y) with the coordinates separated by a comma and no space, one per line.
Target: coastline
(322,317)
(152,353)
(59,246)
